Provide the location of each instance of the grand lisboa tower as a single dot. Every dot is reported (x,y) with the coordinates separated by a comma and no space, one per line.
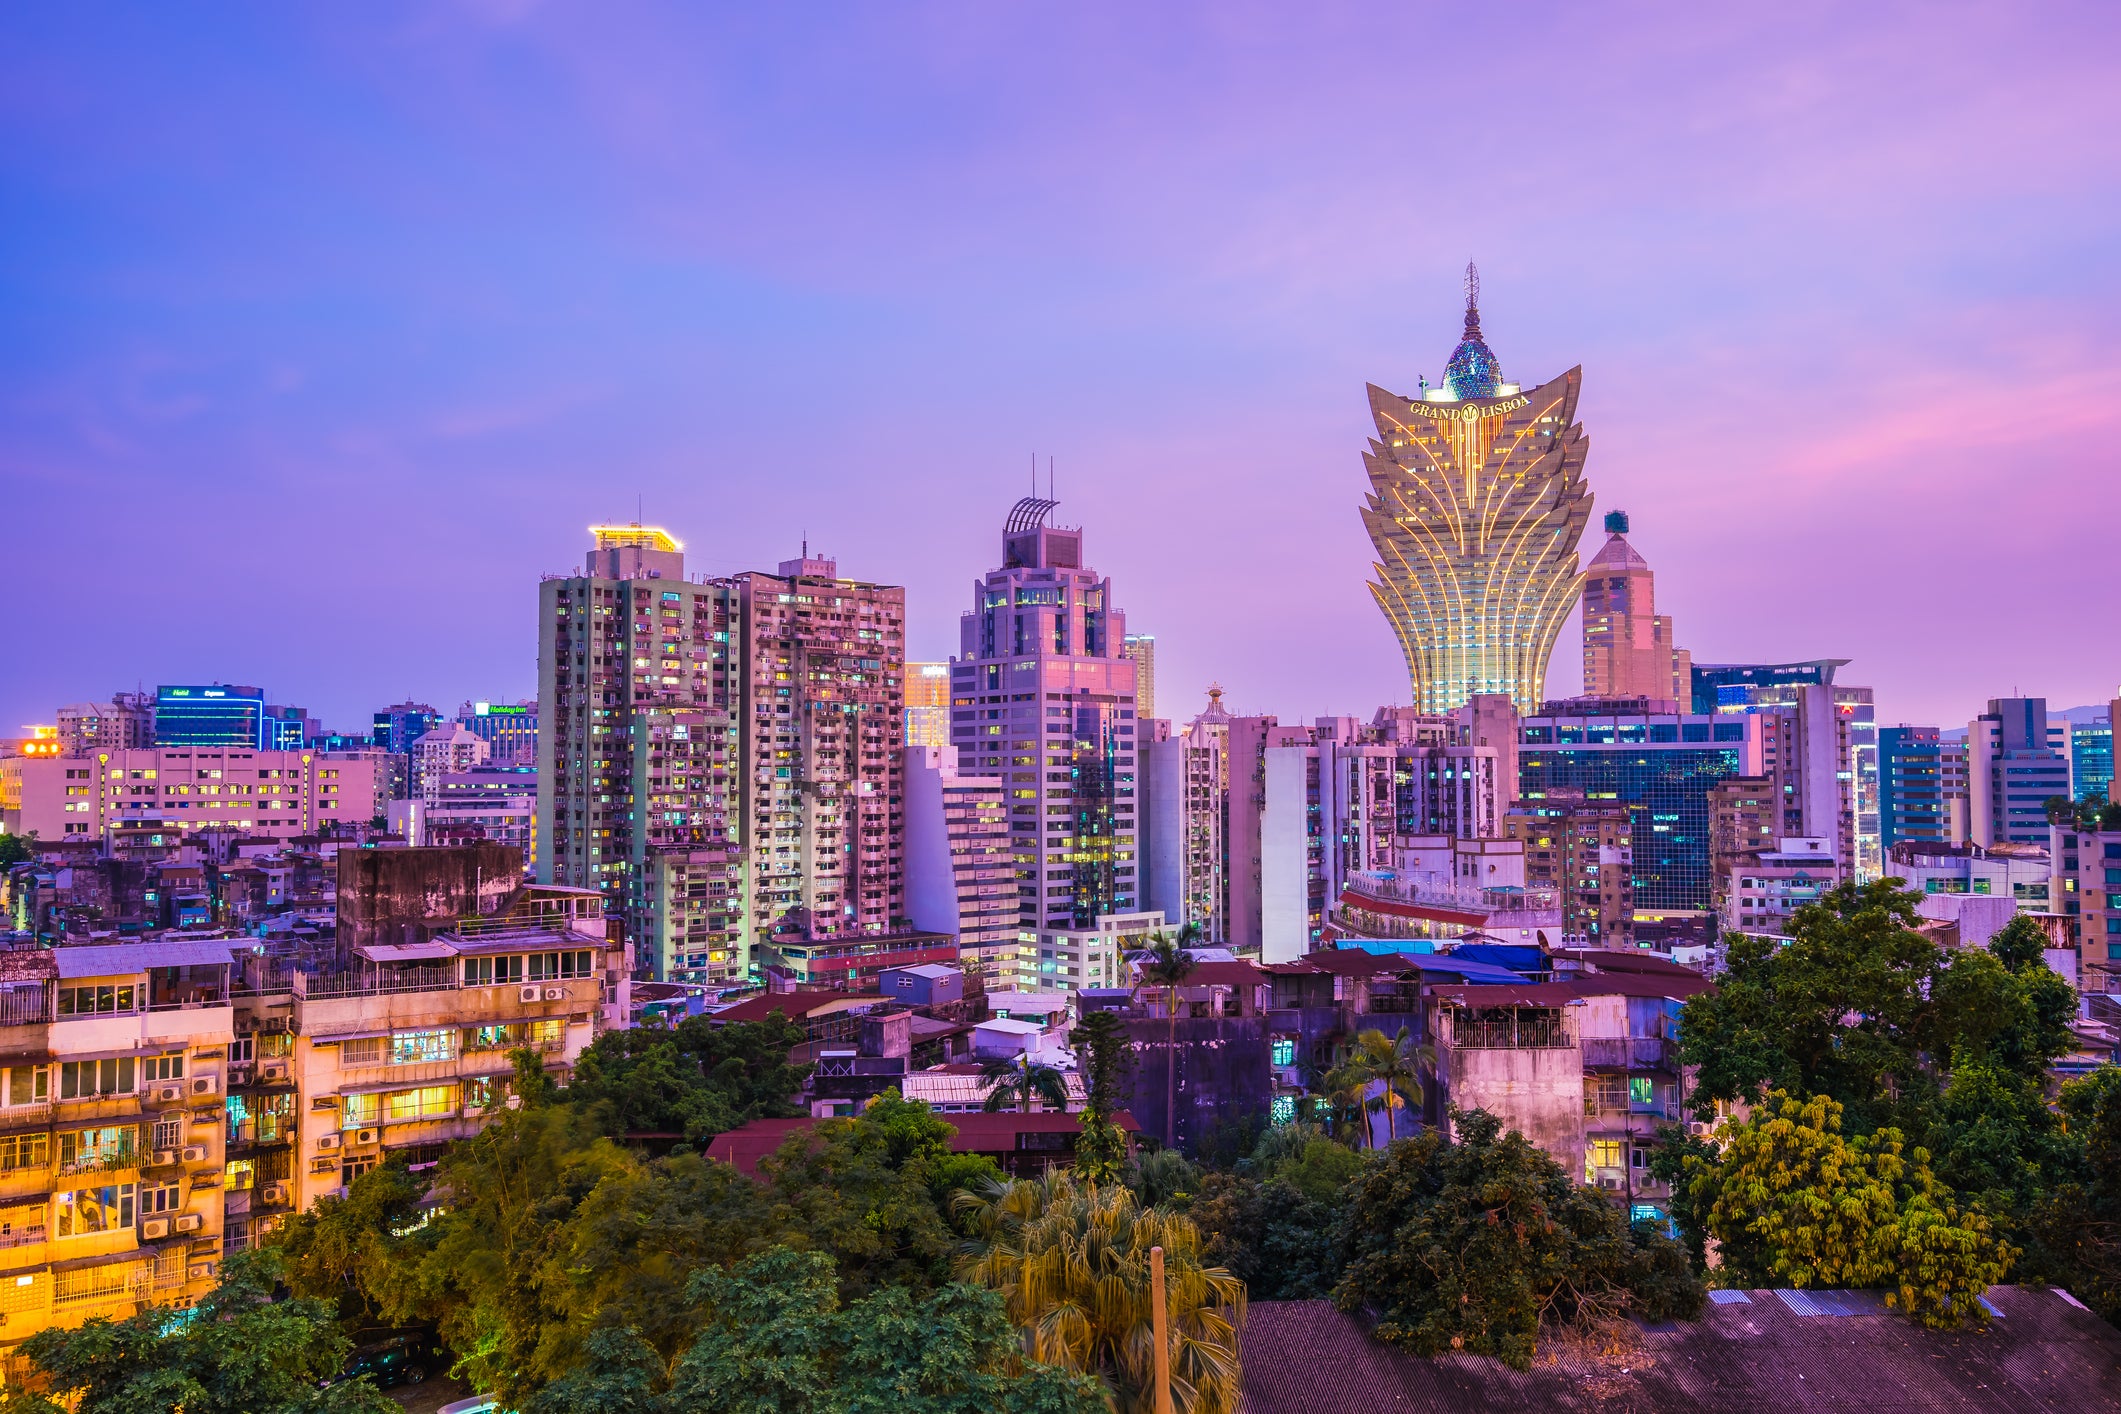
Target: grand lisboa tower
(1476,503)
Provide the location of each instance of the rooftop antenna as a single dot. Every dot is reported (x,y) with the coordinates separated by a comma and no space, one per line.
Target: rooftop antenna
(1034,476)
(1049,477)
(1472,286)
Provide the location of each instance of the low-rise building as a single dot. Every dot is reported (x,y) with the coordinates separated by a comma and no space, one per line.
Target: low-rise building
(1763,887)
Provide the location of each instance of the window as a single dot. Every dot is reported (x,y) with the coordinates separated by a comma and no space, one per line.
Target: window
(492,971)
(551,966)
(28,1084)
(93,1001)
(169,1067)
(242,1050)
(1602,1154)
(358,1110)
(81,1080)
(241,1173)
(83,1212)
(105,1146)
(162,1198)
(368,1050)
(1642,1090)
(354,1168)
(168,1134)
(483,1091)
(416,1047)
(24,1151)
(1284,1051)
(426,1102)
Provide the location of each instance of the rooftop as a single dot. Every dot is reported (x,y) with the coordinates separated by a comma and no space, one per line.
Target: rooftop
(1757,1350)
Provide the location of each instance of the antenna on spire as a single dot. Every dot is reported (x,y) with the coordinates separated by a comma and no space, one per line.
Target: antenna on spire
(1472,286)
(1034,476)
(1049,476)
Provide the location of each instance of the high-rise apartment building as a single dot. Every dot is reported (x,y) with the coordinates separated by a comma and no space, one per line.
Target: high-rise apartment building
(1808,750)
(1584,854)
(401,724)
(2017,760)
(125,723)
(1186,821)
(2085,885)
(927,704)
(2091,757)
(636,792)
(960,866)
(1628,650)
(1140,650)
(822,737)
(1041,695)
(1745,817)
(1476,504)
(1777,687)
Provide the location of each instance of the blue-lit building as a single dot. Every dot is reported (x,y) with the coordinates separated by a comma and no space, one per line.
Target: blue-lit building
(1660,768)
(1733,687)
(2091,759)
(398,726)
(211,715)
(509,729)
(1918,774)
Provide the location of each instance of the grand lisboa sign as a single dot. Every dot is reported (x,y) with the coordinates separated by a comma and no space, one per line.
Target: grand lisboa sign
(1467,412)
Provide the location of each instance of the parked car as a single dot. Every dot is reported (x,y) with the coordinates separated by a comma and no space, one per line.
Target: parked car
(477,1404)
(399,1358)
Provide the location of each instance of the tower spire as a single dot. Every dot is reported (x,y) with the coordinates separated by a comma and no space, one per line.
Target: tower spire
(1472,300)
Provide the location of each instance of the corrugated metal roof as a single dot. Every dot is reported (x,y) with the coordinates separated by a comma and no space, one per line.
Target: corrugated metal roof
(122,959)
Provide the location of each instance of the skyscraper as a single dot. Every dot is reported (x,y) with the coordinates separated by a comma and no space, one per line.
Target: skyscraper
(2017,760)
(1041,695)
(927,704)
(823,768)
(1140,650)
(635,794)
(1476,505)
(1628,649)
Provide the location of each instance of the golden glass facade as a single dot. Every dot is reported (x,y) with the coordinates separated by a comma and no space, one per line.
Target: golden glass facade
(1476,505)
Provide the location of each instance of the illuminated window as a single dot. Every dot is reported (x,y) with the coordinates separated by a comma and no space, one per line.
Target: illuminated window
(85,1212)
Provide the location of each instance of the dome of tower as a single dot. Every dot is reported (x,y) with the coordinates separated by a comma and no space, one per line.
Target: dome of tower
(1472,371)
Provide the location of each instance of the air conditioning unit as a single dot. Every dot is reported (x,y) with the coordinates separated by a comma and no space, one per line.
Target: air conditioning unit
(205,1084)
(154,1228)
(1608,1182)
(200,1271)
(273,1193)
(329,1141)
(368,1136)
(168,1094)
(273,1071)
(528,994)
(164,1156)
(190,1222)
(555,994)
(195,1153)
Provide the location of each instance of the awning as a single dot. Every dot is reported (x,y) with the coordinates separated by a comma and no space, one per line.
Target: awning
(406,952)
(127,959)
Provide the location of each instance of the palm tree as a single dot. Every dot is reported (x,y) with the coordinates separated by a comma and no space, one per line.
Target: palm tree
(1393,1063)
(1018,1080)
(1167,966)
(1071,1261)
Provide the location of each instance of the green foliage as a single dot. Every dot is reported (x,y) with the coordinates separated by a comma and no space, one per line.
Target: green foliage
(692,1079)
(1475,1245)
(1672,1162)
(1392,1066)
(2076,1228)
(16,849)
(1105,1055)
(1301,1156)
(1794,1201)
(1279,1241)
(1163,1178)
(1013,1082)
(351,1251)
(237,1352)
(1071,1261)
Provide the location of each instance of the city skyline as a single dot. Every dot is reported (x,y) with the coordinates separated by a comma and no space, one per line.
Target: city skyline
(270,358)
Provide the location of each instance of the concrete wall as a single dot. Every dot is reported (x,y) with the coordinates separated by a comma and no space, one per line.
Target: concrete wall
(395,895)
(1223,1073)
(1537,1092)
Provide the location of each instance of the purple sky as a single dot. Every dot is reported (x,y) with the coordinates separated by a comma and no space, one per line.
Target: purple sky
(324,331)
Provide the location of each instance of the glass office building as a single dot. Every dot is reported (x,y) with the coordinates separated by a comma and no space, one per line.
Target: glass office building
(212,715)
(1661,770)
(2091,760)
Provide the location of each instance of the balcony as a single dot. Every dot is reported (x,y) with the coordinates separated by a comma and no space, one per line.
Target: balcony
(1631,1053)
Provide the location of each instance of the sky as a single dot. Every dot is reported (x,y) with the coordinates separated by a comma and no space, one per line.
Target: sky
(324,330)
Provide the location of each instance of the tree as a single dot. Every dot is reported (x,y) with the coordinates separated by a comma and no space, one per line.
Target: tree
(1018,1080)
(2076,1228)
(1168,965)
(17,849)
(1103,1053)
(1304,1157)
(347,1250)
(1279,1241)
(237,1352)
(694,1079)
(1071,1261)
(1476,1244)
(770,1335)
(1794,1201)
(1392,1066)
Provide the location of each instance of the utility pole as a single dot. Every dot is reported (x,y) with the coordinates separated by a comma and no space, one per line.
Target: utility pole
(1161,1328)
